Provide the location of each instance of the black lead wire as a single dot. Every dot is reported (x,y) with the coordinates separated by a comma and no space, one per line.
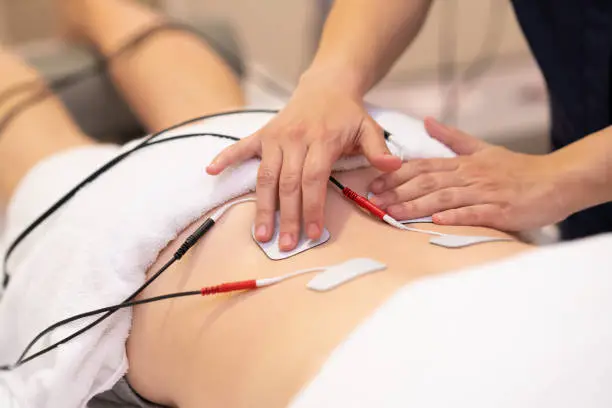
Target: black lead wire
(336,182)
(110,164)
(70,80)
(22,359)
(109,310)
(102,310)
(188,243)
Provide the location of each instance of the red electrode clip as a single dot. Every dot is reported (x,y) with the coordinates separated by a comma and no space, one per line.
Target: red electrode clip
(363,203)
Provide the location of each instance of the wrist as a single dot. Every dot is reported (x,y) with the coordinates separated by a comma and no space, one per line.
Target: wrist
(578,183)
(339,77)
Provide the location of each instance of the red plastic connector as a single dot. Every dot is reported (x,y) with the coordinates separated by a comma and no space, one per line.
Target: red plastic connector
(363,203)
(229,287)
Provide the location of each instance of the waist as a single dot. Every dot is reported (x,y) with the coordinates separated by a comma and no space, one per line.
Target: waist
(260,348)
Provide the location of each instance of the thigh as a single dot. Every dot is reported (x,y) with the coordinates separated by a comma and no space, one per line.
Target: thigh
(31,127)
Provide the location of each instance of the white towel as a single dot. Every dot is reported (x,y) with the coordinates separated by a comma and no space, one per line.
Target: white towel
(531,331)
(95,250)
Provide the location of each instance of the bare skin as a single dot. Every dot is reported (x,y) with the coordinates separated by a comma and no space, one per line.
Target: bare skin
(256,349)
(159,93)
(487,185)
(259,349)
(326,116)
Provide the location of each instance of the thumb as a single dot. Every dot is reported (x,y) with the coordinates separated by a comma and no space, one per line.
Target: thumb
(374,148)
(458,141)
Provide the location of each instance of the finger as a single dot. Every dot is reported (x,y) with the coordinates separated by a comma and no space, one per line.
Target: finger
(290,195)
(441,200)
(374,147)
(266,191)
(238,152)
(419,186)
(458,141)
(484,215)
(410,170)
(317,169)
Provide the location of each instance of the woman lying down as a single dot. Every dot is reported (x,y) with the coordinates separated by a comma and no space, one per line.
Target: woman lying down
(499,324)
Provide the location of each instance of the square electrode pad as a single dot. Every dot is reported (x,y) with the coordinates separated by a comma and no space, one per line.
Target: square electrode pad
(272,250)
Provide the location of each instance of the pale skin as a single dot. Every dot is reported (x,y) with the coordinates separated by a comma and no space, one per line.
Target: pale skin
(492,186)
(325,118)
(191,352)
(145,79)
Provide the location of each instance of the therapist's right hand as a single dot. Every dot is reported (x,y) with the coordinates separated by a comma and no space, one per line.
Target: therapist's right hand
(298,147)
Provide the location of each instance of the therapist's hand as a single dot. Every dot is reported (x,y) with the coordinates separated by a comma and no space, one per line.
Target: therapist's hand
(298,147)
(484,185)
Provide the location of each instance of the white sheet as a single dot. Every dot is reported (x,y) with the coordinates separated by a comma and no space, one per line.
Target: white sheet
(534,331)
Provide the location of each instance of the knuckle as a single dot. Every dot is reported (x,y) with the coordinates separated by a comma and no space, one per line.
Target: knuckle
(267,134)
(490,186)
(471,216)
(389,180)
(411,207)
(289,221)
(289,183)
(390,197)
(264,214)
(295,131)
(505,212)
(266,177)
(427,182)
(314,177)
(445,197)
(313,211)
(294,137)
(422,166)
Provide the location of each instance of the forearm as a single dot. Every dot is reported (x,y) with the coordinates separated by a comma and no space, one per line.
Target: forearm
(363,38)
(586,175)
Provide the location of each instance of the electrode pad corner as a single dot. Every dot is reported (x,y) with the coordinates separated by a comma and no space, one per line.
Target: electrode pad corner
(272,250)
(336,275)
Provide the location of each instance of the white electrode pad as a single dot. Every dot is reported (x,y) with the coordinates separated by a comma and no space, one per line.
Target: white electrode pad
(336,275)
(272,250)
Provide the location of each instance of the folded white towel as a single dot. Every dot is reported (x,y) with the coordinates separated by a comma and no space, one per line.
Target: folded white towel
(95,250)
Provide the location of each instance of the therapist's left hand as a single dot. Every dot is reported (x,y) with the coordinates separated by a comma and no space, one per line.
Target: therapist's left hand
(484,185)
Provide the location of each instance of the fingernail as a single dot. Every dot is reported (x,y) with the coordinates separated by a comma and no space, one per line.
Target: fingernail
(313,230)
(260,232)
(286,240)
(212,166)
(377,186)
(438,219)
(377,201)
(439,125)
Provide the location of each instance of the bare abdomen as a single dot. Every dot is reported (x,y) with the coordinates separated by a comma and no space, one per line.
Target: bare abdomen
(260,348)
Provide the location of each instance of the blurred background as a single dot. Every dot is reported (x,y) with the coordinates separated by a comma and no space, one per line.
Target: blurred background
(470,66)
